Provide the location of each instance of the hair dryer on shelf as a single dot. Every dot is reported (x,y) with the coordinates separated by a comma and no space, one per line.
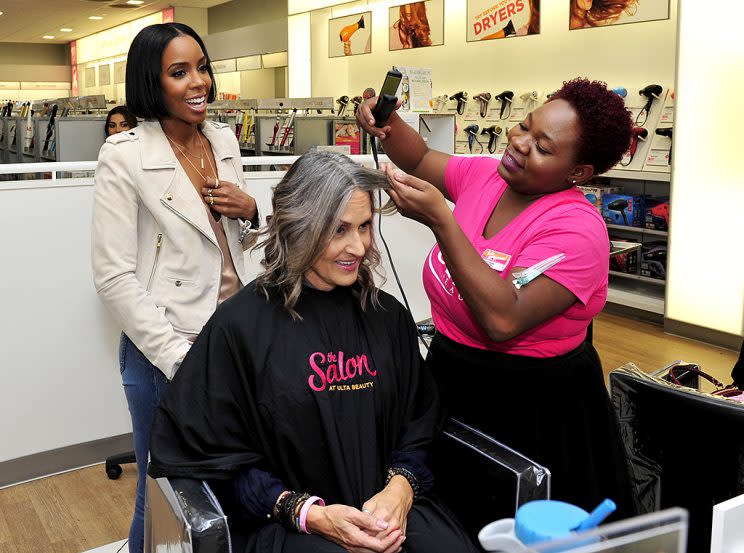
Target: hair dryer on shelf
(342,102)
(472,132)
(530,96)
(438,102)
(619,205)
(483,98)
(638,133)
(620,91)
(356,100)
(462,98)
(667,131)
(651,92)
(493,133)
(346,32)
(506,98)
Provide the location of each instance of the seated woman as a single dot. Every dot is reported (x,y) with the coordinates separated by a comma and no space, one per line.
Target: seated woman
(311,386)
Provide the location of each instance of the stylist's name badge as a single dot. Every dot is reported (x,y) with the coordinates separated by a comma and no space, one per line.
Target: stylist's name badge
(496,260)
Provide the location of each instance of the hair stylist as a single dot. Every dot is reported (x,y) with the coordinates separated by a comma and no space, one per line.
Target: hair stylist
(170,222)
(514,362)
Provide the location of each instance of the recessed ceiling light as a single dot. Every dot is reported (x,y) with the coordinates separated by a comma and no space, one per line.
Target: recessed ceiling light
(95,17)
(65,29)
(135,2)
(48,37)
(1,13)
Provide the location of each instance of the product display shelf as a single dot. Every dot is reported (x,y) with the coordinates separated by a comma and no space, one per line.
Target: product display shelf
(637,230)
(636,295)
(635,290)
(641,278)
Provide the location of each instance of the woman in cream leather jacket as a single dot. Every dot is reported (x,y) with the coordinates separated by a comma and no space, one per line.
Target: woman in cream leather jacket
(170,222)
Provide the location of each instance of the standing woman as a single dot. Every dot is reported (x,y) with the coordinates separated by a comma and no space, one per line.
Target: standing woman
(170,222)
(513,361)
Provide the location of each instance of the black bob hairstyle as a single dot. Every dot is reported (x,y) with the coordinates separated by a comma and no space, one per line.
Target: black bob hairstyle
(144,67)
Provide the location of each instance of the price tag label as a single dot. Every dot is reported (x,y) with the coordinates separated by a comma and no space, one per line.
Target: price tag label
(667,116)
(517,114)
(658,158)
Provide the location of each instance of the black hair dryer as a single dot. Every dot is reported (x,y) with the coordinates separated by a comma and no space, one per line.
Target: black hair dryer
(462,98)
(484,98)
(651,93)
(667,131)
(619,205)
(343,101)
(493,133)
(472,132)
(506,98)
(356,100)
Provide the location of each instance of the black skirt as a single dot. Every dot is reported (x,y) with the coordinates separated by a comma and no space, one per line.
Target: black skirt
(556,411)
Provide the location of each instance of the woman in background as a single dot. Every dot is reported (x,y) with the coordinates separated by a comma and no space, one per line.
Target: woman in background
(119,119)
(170,222)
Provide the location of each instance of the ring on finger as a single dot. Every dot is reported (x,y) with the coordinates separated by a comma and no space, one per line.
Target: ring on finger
(211,199)
(367,511)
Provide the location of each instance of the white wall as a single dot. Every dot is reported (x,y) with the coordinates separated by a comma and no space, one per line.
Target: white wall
(706,271)
(620,55)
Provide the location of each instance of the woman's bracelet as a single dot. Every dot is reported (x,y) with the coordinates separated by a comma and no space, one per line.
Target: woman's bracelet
(291,510)
(309,502)
(408,475)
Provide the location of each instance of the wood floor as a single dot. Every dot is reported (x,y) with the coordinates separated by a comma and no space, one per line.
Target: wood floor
(83,509)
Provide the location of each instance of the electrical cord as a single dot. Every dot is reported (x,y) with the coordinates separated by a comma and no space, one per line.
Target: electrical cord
(373,146)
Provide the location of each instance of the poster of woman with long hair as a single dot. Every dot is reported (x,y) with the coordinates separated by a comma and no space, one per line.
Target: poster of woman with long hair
(417,25)
(491,19)
(600,13)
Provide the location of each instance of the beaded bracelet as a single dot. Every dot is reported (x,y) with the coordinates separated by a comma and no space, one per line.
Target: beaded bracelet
(408,475)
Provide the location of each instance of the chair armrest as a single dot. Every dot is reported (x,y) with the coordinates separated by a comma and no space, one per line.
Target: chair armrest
(184,511)
(481,479)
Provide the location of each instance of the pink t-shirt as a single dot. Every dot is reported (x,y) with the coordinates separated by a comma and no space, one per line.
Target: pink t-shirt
(563,222)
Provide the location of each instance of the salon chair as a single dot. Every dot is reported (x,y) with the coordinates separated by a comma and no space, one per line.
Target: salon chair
(685,447)
(478,478)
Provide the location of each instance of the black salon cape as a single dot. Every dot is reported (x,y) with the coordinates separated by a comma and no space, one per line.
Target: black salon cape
(320,403)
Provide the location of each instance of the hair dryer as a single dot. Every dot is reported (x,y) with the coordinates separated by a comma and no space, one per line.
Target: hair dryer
(483,98)
(651,92)
(472,132)
(493,133)
(356,100)
(462,98)
(506,98)
(530,96)
(667,131)
(346,32)
(619,205)
(638,133)
(343,101)
(438,102)
(620,91)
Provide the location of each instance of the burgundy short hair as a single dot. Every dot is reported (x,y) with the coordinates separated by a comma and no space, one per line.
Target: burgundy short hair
(606,124)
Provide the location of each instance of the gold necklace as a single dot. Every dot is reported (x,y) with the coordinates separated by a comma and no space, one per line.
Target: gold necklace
(185,152)
(209,159)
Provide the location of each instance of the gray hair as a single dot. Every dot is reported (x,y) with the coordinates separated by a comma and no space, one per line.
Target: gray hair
(307,205)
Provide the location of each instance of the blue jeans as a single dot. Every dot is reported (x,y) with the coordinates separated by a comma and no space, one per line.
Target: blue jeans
(144,385)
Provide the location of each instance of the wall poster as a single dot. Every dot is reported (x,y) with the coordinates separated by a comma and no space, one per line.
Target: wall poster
(600,13)
(350,35)
(490,19)
(416,25)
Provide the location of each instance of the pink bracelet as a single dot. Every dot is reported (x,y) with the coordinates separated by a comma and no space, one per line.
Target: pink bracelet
(309,502)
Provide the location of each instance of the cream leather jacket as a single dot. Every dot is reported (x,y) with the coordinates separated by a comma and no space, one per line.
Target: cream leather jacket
(156,262)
